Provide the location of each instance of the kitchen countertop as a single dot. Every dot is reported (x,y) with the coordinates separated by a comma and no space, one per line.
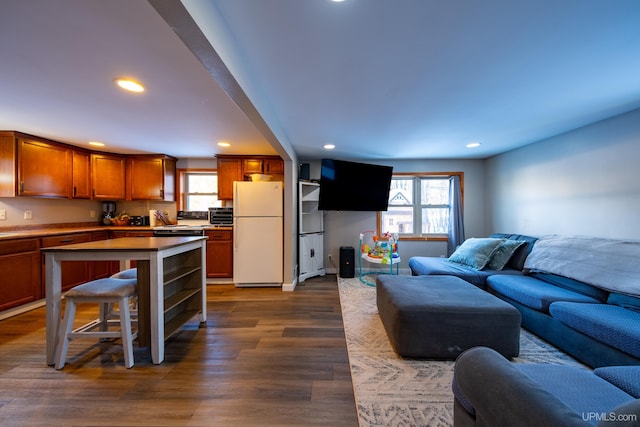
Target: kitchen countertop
(57,229)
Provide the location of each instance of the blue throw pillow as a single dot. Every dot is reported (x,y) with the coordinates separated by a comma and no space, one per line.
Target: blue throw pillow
(502,254)
(475,252)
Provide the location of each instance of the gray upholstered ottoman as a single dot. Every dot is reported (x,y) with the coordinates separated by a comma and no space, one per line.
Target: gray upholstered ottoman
(441,316)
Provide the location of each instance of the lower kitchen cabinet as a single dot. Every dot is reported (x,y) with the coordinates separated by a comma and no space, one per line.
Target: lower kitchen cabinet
(20,268)
(77,272)
(219,253)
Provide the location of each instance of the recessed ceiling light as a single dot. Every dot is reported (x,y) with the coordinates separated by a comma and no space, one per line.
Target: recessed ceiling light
(329,146)
(129,84)
(224,144)
(96,143)
(473,145)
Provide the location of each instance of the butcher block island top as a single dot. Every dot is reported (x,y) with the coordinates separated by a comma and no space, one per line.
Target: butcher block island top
(171,283)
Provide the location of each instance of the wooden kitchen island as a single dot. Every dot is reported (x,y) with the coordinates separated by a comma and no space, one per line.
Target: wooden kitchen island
(171,283)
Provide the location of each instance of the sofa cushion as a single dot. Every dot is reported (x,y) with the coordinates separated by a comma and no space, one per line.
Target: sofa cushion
(595,394)
(475,252)
(610,324)
(430,266)
(626,301)
(503,253)
(520,255)
(573,285)
(532,292)
(625,377)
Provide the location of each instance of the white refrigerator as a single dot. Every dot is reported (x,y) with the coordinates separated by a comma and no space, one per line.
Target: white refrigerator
(257,233)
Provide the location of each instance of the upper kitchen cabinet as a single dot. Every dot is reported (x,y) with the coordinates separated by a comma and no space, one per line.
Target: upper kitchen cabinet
(33,166)
(108,176)
(240,168)
(81,176)
(229,170)
(151,178)
(263,165)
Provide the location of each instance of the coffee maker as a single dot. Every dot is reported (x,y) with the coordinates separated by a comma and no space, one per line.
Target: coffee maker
(108,212)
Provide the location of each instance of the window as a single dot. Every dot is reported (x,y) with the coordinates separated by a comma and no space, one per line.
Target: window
(200,191)
(418,206)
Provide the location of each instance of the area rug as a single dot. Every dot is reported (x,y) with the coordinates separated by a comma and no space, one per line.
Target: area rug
(393,391)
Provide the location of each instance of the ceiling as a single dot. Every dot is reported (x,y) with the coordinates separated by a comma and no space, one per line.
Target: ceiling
(380,79)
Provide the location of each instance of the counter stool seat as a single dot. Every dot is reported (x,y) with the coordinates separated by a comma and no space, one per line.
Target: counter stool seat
(106,292)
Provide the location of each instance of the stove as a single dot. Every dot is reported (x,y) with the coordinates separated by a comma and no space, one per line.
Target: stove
(190,223)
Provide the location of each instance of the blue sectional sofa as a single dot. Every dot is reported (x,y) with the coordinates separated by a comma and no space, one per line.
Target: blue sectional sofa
(581,294)
(421,266)
(490,391)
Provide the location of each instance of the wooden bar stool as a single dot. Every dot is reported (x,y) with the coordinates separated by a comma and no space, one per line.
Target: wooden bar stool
(106,292)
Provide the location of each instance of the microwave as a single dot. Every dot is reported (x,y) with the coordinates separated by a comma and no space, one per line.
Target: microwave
(221,216)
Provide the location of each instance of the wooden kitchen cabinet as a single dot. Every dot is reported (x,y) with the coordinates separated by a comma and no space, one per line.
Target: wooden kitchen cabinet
(33,166)
(264,165)
(151,178)
(239,168)
(73,272)
(81,175)
(219,253)
(229,170)
(77,272)
(20,268)
(108,176)
(44,169)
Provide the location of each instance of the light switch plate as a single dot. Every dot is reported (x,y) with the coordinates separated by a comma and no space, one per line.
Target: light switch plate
(3,214)
(28,214)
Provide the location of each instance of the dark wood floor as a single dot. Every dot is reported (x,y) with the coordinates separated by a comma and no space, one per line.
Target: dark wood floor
(265,358)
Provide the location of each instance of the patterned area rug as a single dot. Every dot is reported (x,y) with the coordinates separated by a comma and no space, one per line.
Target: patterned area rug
(392,391)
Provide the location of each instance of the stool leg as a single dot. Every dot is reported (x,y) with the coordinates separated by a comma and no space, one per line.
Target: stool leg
(66,326)
(125,330)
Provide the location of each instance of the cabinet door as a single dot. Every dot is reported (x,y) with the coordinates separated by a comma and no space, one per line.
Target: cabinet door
(20,261)
(108,177)
(274,166)
(311,254)
(250,166)
(145,178)
(220,254)
(229,170)
(73,272)
(81,177)
(44,169)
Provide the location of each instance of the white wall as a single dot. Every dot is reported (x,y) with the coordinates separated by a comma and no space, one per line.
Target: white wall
(581,182)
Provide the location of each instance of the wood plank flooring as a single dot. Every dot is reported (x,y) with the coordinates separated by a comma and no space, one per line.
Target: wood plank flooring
(265,358)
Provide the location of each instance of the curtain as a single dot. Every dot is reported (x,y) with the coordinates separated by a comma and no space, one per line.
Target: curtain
(456,223)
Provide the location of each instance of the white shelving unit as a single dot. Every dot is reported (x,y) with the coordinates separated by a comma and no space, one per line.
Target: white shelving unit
(310,231)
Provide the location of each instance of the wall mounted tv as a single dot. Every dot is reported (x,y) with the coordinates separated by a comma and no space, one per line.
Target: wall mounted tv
(351,186)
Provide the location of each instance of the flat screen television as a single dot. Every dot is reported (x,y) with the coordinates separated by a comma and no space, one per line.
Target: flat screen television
(351,186)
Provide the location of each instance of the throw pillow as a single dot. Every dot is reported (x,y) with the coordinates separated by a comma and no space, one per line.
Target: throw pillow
(475,252)
(502,254)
